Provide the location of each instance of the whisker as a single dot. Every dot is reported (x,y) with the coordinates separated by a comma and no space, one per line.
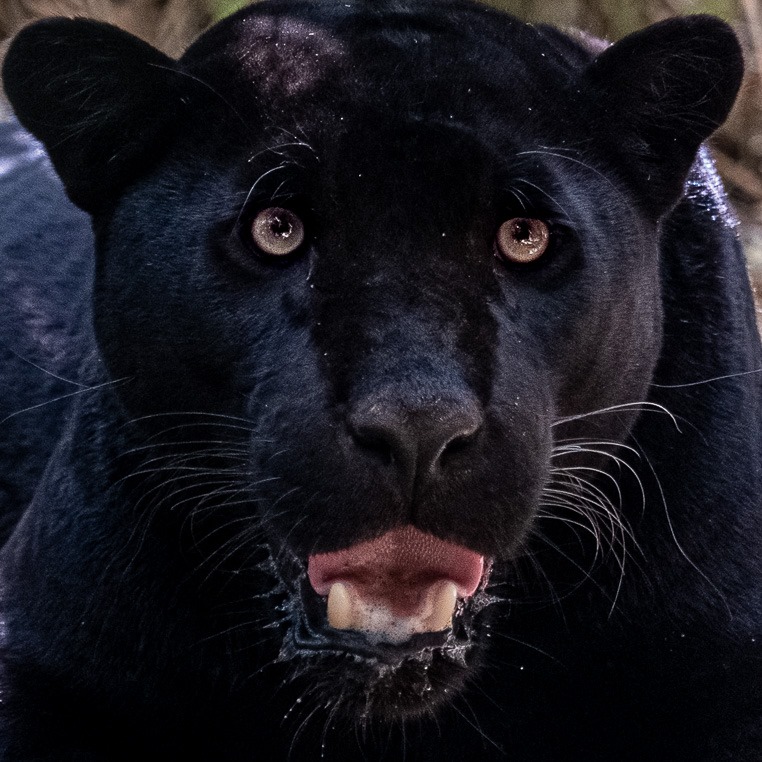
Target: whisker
(679,547)
(61,398)
(627,406)
(47,372)
(709,380)
(581,163)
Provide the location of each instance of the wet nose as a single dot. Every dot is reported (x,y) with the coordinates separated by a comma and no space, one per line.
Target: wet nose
(417,437)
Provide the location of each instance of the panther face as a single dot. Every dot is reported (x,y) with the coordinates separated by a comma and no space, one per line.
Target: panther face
(369,273)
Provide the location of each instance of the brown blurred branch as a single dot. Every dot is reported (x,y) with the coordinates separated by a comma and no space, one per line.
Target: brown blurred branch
(735,173)
(170,25)
(754,26)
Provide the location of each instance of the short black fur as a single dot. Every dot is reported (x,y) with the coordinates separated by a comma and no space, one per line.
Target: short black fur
(185,421)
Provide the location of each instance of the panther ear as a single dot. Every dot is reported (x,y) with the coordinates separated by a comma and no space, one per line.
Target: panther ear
(101,101)
(657,94)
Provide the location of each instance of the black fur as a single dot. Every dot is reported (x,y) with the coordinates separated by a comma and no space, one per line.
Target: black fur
(211,428)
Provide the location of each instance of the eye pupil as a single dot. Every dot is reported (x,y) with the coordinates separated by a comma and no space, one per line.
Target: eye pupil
(282,228)
(277,232)
(521,230)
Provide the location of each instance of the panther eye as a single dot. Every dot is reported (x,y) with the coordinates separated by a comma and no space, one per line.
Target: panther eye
(277,232)
(522,239)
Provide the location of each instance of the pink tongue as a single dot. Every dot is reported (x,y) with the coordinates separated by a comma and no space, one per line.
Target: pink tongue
(398,568)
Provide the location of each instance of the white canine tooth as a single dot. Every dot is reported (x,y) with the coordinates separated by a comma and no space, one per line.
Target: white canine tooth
(445,598)
(340,615)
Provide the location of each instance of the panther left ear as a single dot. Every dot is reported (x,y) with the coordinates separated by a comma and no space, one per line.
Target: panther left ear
(102,101)
(657,95)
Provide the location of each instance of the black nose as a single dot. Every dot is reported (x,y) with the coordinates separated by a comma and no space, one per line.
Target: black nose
(415,437)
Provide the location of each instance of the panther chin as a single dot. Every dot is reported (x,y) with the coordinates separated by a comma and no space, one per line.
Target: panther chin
(388,628)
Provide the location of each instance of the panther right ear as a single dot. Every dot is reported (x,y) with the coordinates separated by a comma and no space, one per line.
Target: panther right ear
(656,95)
(101,101)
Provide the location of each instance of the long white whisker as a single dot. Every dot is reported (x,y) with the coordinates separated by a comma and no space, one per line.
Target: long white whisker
(709,380)
(627,406)
(62,397)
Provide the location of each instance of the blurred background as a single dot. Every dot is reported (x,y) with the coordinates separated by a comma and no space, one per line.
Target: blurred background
(737,147)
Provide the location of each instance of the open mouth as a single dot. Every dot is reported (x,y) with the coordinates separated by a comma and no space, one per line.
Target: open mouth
(404,593)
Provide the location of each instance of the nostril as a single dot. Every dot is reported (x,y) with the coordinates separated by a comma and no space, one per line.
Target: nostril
(376,441)
(458,444)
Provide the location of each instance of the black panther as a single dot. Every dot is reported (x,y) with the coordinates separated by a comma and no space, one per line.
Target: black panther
(387,387)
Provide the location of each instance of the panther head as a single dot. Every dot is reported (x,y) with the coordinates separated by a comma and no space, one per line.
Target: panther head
(368,269)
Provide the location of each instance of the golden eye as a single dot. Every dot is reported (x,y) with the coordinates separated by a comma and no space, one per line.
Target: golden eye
(277,232)
(522,239)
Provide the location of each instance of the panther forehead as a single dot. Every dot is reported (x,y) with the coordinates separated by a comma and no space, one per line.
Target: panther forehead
(291,62)
(286,56)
